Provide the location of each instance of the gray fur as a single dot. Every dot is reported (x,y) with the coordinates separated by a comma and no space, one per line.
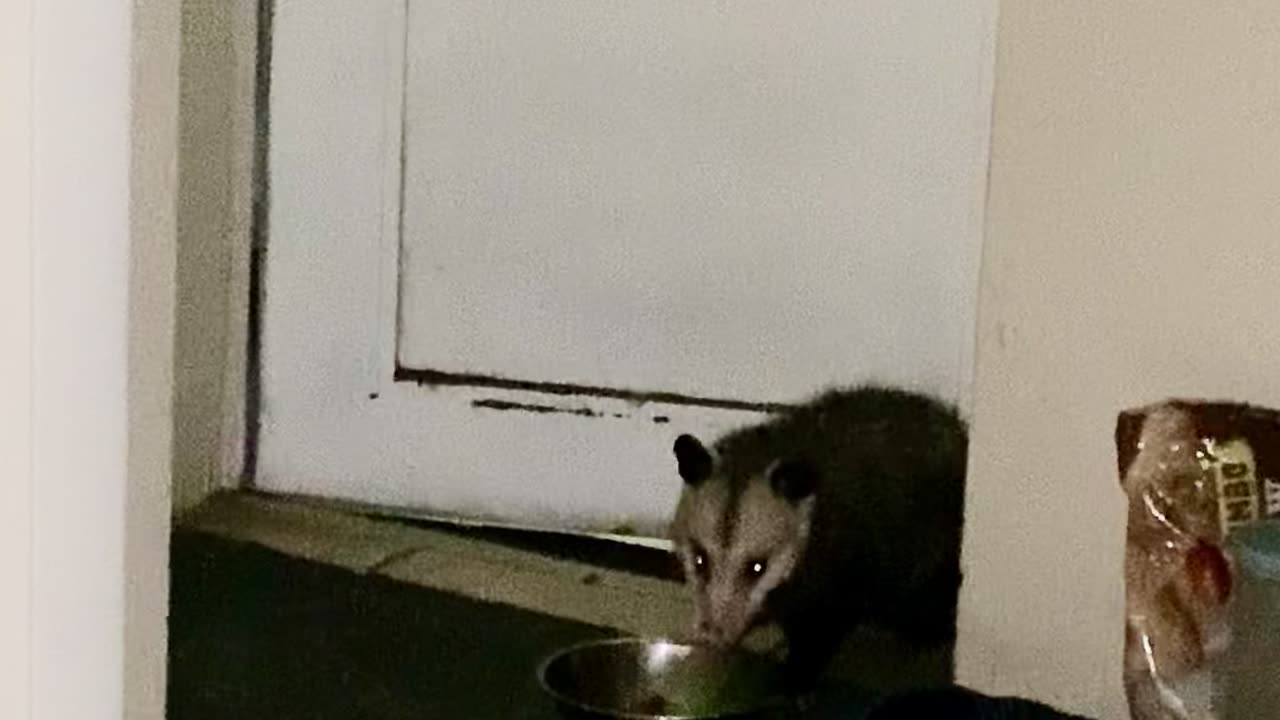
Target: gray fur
(856,499)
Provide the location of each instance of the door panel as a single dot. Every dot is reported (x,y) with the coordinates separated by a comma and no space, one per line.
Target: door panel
(729,201)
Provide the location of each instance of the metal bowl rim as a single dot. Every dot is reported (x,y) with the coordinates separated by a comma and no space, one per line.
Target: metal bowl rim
(579,705)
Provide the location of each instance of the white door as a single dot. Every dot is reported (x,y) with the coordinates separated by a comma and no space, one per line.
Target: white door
(515,247)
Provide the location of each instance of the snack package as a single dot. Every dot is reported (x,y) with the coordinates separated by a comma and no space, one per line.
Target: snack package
(1192,471)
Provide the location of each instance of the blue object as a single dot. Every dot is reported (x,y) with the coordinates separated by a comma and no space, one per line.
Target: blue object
(953,703)
(1257,548)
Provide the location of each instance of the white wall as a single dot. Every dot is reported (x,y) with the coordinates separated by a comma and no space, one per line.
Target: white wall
(214,213)
(1131,253)
(95,349)
(15,361)
(80,187)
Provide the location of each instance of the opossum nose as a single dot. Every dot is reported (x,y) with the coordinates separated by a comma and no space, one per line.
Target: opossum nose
(707,633)
(717,637)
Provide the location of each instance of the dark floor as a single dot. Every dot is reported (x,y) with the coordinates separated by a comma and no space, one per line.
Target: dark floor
(257,634)
(635,559)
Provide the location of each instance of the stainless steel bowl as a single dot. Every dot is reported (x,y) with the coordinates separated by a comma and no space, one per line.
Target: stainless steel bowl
(640,679)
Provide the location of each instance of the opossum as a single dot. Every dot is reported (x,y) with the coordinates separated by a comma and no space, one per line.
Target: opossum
(846,510)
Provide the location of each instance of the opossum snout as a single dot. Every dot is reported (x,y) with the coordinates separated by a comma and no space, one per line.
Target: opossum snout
(715,635)
(703,633)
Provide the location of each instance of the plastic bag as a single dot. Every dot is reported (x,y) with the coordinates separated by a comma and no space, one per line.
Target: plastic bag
(1192,472)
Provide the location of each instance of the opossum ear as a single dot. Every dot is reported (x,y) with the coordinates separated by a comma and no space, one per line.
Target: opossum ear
(693,458)
(793,478)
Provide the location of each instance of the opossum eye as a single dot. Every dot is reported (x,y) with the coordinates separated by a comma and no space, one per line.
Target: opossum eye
(756,568)
(700,563)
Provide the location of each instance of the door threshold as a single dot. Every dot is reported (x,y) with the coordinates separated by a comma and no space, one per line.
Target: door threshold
(632,590)
(636,554)
(651,539)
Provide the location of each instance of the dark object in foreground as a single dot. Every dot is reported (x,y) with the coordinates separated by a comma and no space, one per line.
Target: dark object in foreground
(962,704)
